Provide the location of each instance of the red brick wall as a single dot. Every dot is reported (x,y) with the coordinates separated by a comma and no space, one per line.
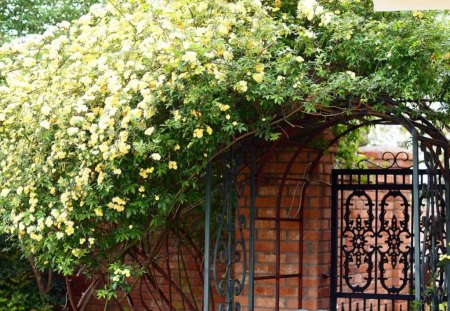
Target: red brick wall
(310,244)
(307,239)
(166,280)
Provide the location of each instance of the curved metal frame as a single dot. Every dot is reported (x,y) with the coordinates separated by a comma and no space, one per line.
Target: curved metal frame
(426,138)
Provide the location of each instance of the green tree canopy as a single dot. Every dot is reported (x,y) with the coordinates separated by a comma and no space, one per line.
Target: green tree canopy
(22,17)
(107,123)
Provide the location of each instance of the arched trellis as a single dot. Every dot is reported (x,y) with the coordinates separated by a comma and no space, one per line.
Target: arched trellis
(429,144)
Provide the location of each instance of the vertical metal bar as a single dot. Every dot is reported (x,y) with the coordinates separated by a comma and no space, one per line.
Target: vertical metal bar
(340,236)
(411,242)
(300,259)
(169,271)
(447,218)
(229,297)
(206,278)
(251,292)
(278,258)
(334,240)
(416,215)
(376,236)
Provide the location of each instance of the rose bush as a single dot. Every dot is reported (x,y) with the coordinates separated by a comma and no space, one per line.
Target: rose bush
(107,123)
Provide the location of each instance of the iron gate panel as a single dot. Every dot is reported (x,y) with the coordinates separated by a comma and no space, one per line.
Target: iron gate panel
(373,243)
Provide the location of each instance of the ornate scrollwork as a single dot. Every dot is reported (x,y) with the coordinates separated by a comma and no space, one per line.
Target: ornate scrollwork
(358,232)
(230,248)
(394,250)
(433,219)
(391,160)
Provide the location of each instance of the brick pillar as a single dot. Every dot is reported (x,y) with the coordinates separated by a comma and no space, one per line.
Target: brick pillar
(304,245)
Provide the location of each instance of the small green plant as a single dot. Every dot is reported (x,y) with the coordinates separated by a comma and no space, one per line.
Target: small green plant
(347,155)
(18,285)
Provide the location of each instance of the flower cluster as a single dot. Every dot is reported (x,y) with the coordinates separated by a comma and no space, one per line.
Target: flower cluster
(95,112)
(444,258)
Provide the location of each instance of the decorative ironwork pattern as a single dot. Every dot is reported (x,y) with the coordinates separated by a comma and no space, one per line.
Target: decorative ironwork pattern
(375,243)
(391,160)
(373,250)
(432,223)
(230,249)
(397,232)
(358,231)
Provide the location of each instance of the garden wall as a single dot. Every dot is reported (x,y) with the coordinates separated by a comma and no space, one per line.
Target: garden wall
(293,215)
(296,235)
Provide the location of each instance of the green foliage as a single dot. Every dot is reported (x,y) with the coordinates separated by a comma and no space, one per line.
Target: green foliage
(18,288)
(347,149)
(22,17)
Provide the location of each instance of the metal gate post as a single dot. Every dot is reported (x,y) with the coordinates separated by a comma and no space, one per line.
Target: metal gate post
(206,279)
(334,242)
(447,219)
(251,291)
(416,218)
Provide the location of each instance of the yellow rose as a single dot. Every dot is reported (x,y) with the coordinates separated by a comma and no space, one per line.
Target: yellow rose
(70,230)
(173,165)
(258,77)
(259,67)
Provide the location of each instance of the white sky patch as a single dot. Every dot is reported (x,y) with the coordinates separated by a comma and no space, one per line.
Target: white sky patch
(409,5)
(388,136)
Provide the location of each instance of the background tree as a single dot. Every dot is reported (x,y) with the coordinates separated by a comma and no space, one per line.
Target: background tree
(22,17)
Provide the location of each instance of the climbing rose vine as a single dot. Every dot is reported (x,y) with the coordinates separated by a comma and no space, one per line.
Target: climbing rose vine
(107,123)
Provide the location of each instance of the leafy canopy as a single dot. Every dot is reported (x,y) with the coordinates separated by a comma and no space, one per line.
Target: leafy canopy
(22,17)
(107,123)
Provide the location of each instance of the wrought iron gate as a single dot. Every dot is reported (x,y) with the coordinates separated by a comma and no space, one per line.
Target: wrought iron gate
(389,229)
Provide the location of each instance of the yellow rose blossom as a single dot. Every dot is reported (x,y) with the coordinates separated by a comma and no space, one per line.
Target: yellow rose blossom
(36,237)
(259,68)
(69,231)
(149,131)
(76,252)
(258,77)
(98,212)
(156,156)
(198,133)
(117,204)
(418,14)
(223,107)
(176,115)
(173,165)
(241,86)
